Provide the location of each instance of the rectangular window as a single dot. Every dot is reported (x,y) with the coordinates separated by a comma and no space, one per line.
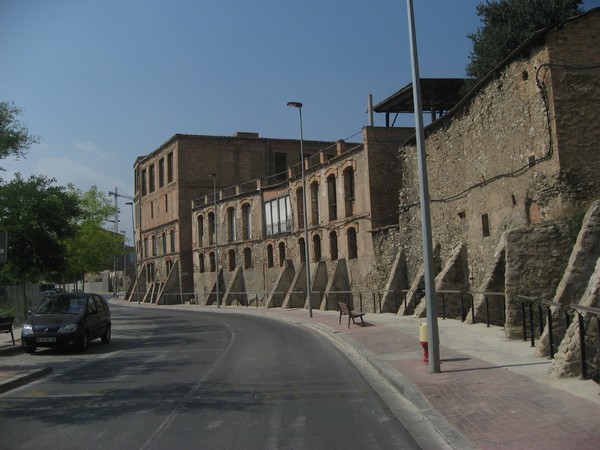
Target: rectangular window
(278,215)
(485,225)
(280,166)
(161,172)
(166,203)
(170,167)
(151,179)
(144,185)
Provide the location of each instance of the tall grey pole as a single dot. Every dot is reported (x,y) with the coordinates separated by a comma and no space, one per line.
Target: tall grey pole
(430,295)
(306,260)
(135,273)
(214,175)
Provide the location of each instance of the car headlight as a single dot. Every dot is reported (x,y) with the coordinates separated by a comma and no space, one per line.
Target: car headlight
(27,329)
(69,328)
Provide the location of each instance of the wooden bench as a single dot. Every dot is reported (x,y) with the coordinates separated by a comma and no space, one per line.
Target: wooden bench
(345,311)
(6,324)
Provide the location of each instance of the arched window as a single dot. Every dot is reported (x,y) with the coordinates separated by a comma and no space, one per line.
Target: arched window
(150,273)
(213,263)
(164,243)
(333,245)
(352,247)
(145,247)
(316,248)
(200,224)
(230,224)
(201,267)
(247,258)
(314,203)
(246,231)
(172,241)
(281,254)
(300,207)
(349,191)
(231,260)
(269,256)
(211,228)
(169,266)
(332,197)
(302,252)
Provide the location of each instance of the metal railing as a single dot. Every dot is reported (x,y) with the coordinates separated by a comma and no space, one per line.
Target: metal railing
(537,315)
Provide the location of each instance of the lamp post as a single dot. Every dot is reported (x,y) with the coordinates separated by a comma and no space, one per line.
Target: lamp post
(306,260)
(214,175)
(124,278)
(134,254)
(429,275)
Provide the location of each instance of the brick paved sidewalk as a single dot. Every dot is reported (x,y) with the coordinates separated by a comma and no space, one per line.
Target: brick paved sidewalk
(494,404)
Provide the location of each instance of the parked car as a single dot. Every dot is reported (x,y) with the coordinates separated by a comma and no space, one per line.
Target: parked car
(48,293)
(73,319)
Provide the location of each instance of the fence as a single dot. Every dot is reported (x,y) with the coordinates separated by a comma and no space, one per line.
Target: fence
(11,300)
(537,314)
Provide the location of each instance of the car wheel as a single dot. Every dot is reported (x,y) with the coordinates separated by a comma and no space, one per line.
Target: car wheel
(85,340)
(106,336)
(29,349)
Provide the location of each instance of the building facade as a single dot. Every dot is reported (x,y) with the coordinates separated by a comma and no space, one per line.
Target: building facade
(171,177)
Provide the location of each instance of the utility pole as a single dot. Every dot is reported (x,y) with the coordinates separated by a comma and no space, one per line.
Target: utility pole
(116,195)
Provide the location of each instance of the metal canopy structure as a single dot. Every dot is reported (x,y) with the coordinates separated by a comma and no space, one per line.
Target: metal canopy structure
(438,95)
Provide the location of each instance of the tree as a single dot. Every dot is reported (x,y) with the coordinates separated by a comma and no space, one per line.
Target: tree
(92,247)
(39,217)
(508,23)
(14,137)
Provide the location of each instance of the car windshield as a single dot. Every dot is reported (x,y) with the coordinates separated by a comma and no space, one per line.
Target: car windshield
(62,305)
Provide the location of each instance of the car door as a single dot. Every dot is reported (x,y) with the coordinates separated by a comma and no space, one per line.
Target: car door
(103,314)
(94,319)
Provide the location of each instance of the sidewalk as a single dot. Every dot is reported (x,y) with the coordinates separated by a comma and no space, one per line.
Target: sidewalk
(492,391)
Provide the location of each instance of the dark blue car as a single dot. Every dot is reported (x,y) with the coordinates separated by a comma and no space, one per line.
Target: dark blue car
(73,319)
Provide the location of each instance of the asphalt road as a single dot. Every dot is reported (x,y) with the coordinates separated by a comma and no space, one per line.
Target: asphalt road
(178,379)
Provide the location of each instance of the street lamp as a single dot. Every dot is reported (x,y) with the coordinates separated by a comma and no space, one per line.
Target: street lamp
(307,261)
(214,175)
(429,273)
(137,296)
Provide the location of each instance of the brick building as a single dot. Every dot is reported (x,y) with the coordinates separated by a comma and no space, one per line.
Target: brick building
(171,177)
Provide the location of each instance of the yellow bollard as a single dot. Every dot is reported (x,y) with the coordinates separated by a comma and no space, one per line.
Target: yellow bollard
(423,341)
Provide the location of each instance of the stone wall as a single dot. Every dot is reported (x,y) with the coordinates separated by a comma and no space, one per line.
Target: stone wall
(536,258)
(516,152)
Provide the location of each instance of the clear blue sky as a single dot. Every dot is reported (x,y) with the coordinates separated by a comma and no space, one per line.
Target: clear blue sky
(104,81)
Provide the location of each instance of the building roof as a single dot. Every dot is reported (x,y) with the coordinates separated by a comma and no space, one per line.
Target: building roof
(437,94)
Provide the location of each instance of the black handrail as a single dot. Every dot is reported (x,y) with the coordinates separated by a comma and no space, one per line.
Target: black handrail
(581,311)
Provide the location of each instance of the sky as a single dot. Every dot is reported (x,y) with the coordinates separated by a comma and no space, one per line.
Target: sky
(102,82)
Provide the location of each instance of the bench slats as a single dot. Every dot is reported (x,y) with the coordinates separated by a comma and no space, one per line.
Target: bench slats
(6,324)
(346,311)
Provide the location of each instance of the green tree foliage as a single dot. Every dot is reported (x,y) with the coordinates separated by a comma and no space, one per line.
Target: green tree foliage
(39,218)
(92,248)
(508,23)
(14,137)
